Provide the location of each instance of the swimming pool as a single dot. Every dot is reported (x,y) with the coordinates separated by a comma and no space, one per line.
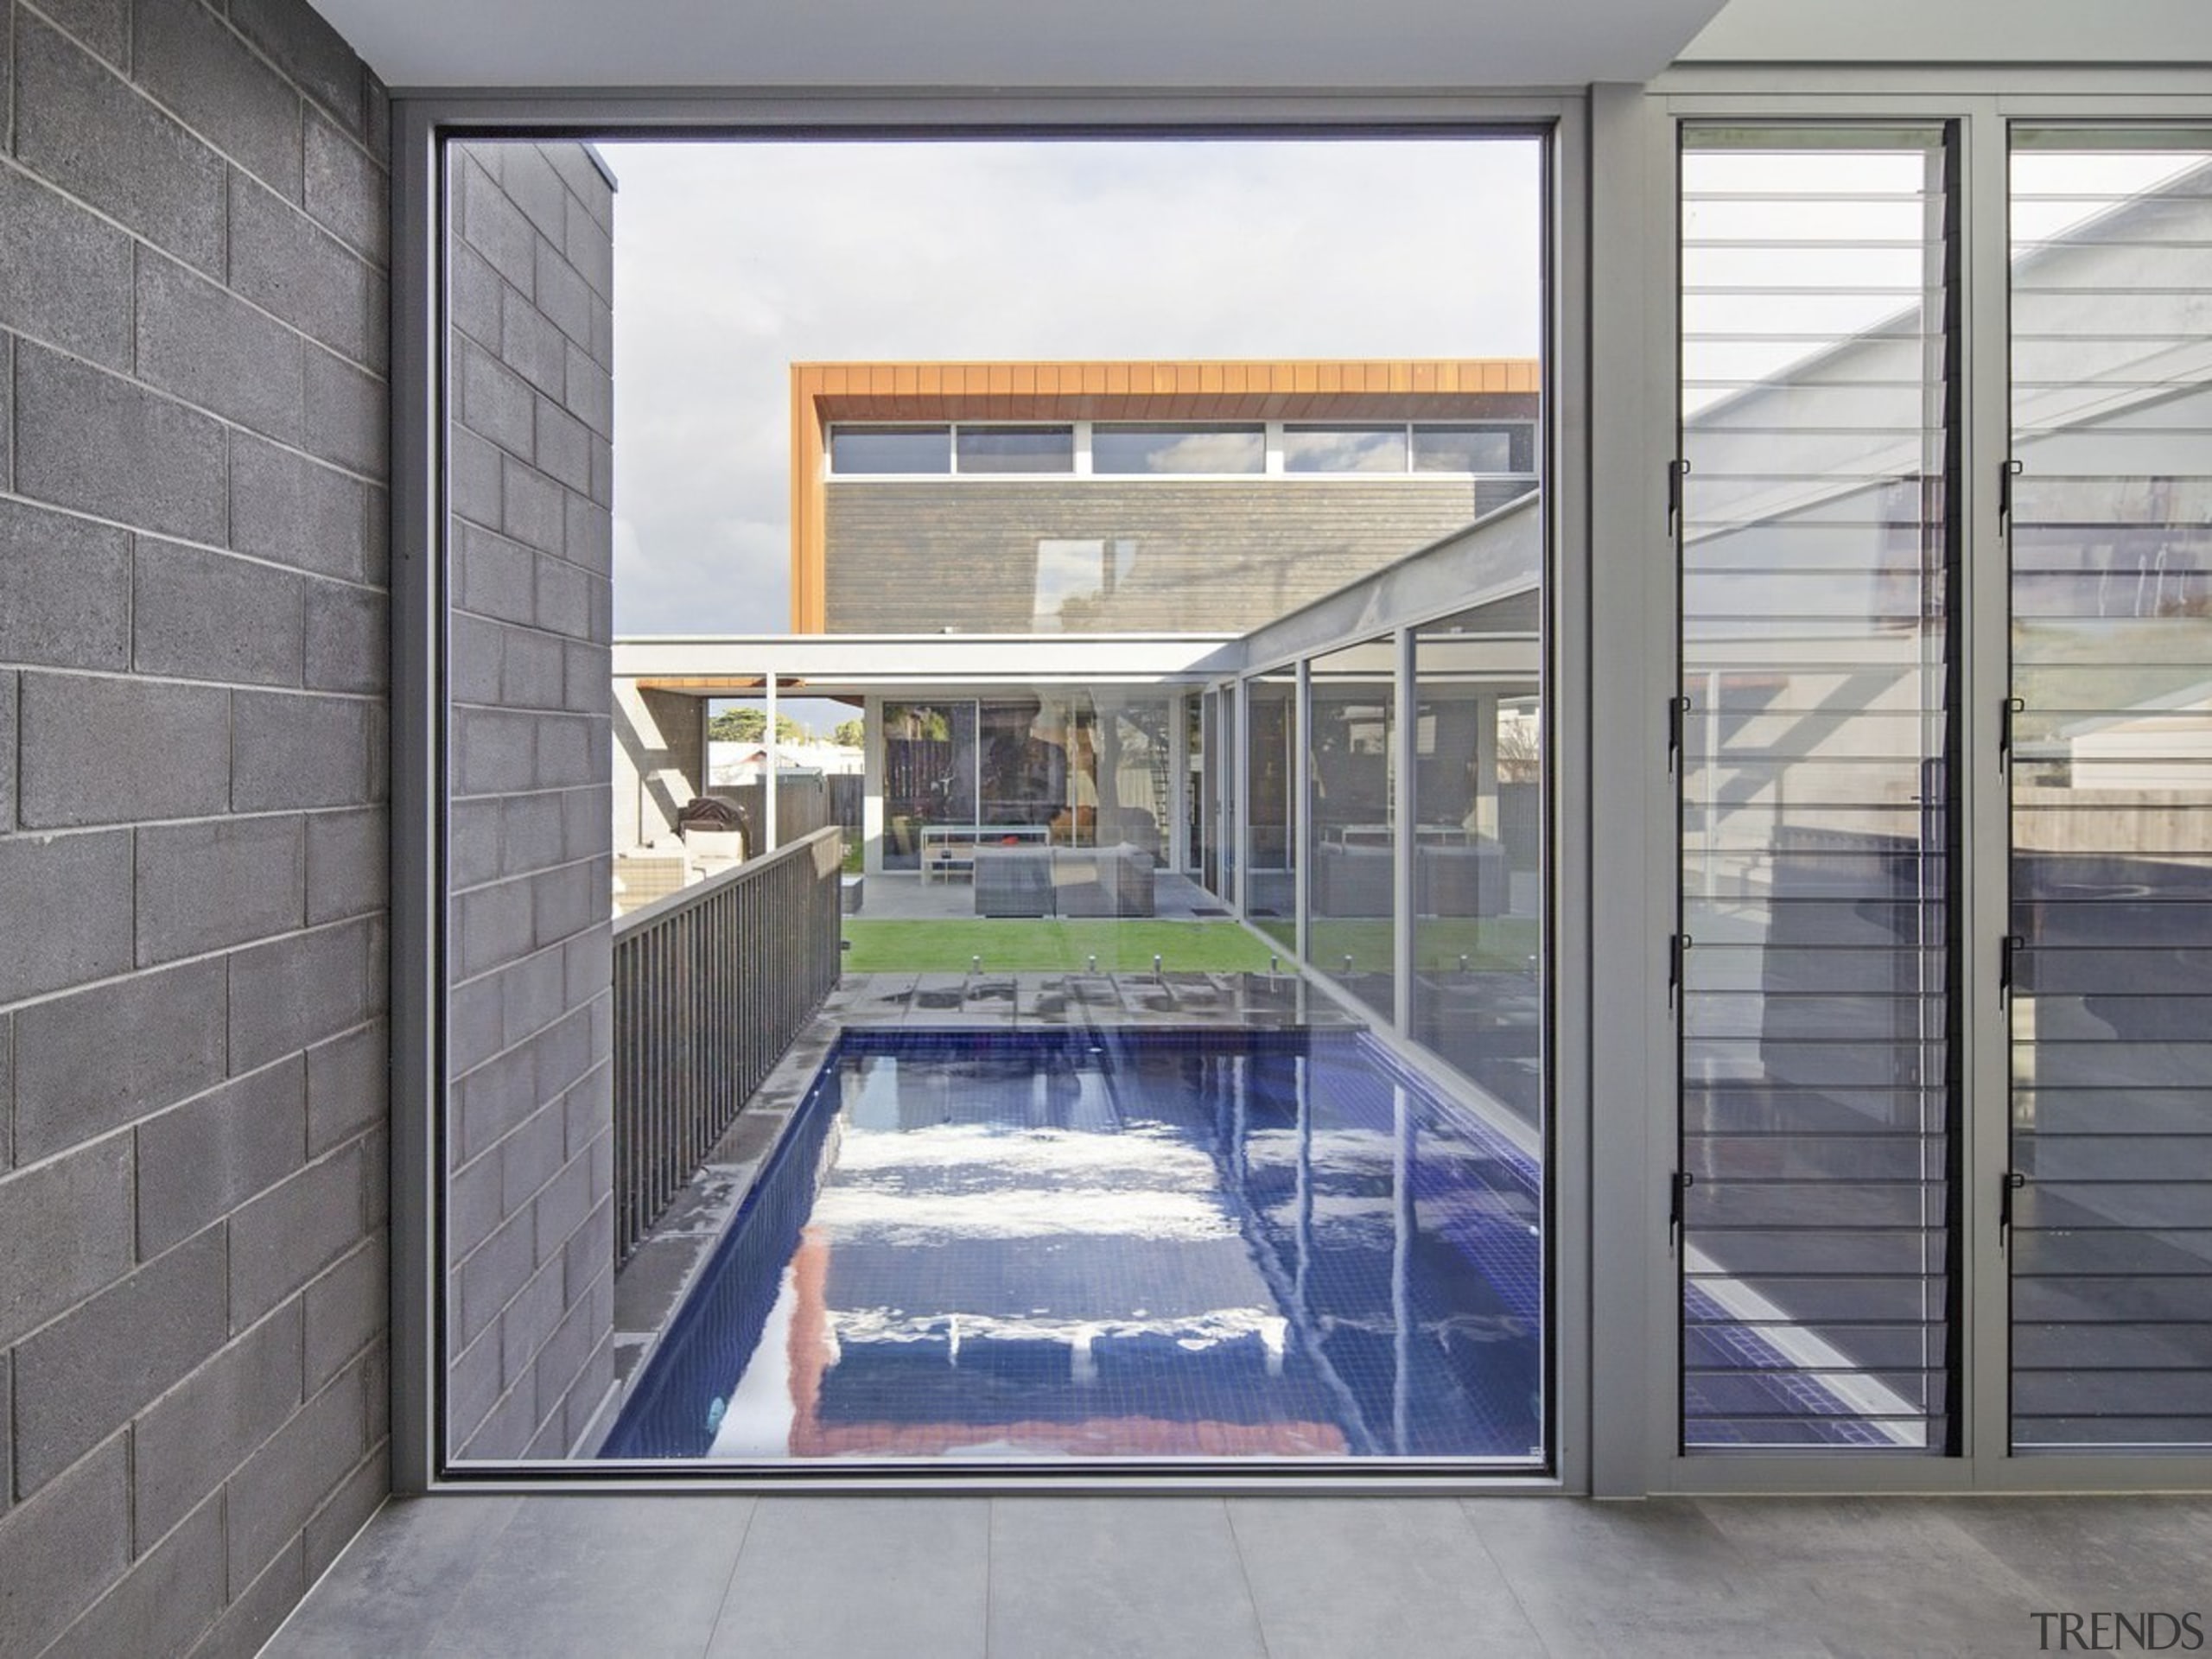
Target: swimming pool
(1124,1244)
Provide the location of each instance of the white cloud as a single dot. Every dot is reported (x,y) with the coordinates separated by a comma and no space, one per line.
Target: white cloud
(734,260)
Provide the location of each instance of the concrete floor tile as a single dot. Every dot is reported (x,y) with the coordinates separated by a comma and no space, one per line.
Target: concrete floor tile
(580,1578)
(391,1590)
(1130,1578)
(1332,1577)
(2087,1553)
(856,1578)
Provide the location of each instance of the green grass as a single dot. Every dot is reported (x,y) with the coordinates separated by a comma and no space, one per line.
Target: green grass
(1045,946)
(1008,945)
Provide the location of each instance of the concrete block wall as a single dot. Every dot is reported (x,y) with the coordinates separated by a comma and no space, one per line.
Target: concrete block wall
(529,1153)
(193,1106)
(660,761)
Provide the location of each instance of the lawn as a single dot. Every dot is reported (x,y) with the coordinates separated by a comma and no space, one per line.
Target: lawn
(1049,945)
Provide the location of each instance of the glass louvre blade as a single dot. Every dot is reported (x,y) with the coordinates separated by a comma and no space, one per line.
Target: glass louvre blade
(2111,787)
(1816,1238)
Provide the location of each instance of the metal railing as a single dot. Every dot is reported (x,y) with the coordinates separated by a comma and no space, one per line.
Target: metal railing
(711,984)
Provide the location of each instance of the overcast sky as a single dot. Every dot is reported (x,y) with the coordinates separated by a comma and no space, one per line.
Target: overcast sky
(733,261)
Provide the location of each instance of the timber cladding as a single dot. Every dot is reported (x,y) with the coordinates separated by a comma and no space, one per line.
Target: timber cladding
(1425,388)
(1169,557)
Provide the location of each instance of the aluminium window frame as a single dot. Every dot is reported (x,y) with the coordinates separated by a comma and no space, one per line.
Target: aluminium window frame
(423,125)
(1635,206)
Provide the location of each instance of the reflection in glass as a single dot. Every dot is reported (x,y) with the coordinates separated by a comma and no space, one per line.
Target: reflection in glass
(1494,448)
(929,774)
(1351,818)
(1015,448)
(856,449)
(1477,855)
(1271,878)
(1186,448)
(1813,770)
(1344,448)
(2112,790)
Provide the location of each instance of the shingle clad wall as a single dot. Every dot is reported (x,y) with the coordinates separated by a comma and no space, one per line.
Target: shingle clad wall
(194,283)
(531,1227)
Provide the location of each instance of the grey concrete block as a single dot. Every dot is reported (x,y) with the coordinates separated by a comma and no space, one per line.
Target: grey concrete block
(561,295)
(529,1158)
(65,275)
(7,1104)
(590,394)
(91,440)
(104,751)
(185,58)
(295,751)
(477,296)
(346,188)
(284,261)
(496,402)
(568,749)
(533,348)
(203,343)
(563,447)
(586,688)
(65,598)
(508,1430)
(581,1411)
(256,1612)
(199,1161)
(531,996)
(100,26)
(206,887)
(531,184)
(199,615)
(590,248)
(188,1442)
(587,1109)
(90,133)
(473,659)
(7,380)
(497,751)
(563,1208)
(494,1275)
(60,1550)
(473,477)
(347,864)
(285,507)
(172,1594)
(333,1526)
(531,670)
(589,538)
(78,889)
(586,1254)
(310,51)
(567,595)
(82,1377)
(473,1211)
(498,577)
(587,966)
(347,1309)
(586,824)
(494,926)
(65,1233)
(602,334)
(160,1036)
(293,992)
(525,1323)
(585,182)
(347,409)
(474,1024)
(472,1386)
(348,639)
(563,1053)
(293,1232)
(472,842)
(349,1087)
(535,833)
(492,224)
(491,1100)
(531,507)
(567,901)
(566,1351)
(378,343)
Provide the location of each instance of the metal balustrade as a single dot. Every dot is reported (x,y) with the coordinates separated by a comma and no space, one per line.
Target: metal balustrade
(711,984)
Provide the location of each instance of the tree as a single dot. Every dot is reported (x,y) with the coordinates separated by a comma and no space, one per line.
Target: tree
(749,724)
(850,732)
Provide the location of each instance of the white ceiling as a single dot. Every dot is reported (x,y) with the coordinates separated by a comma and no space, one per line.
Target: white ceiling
(1955,31)
(1233,45)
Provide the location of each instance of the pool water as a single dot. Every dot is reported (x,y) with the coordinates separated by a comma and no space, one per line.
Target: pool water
(1115,1244)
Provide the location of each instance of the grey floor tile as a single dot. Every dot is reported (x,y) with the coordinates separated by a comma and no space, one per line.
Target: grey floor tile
(396,1584)
(1129,1578)
(1652,1579)
(583,1578)
(2082,1553)
(855,1578)
(1332,1577)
